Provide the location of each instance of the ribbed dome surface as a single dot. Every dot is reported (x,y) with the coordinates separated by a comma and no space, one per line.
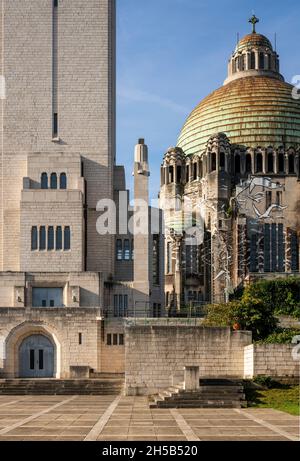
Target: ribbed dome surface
(253,41)
(251,111)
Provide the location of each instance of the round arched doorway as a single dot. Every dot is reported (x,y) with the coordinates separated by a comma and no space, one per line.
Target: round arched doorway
(36,357)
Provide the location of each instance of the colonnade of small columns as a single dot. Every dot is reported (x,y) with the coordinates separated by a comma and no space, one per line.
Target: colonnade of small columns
(253,60)
(186,170)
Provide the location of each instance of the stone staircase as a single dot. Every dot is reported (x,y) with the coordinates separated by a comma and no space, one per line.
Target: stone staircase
(103,386)
(212,393)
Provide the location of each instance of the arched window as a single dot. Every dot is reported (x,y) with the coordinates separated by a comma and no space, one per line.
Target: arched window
(44,181)
(281,168)
(171,174)
(268,57)
(222,160)
(42,238)
(179,173)
(58,238)
(213,161)
(67,238)
(291,164)
(248,163)
(261,61)
(34,238)
(252,60)
(53,181)
(270,163)
(63,181)
(195,172)
(259,163)
(237,164)
(50,238)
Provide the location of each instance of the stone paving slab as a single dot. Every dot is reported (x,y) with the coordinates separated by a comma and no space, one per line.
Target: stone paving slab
(130,419)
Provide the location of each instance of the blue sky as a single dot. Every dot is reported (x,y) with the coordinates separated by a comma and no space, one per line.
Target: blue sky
(173,53)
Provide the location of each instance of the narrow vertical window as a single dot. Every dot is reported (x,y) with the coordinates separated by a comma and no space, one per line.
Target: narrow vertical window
(116,305)
(58,238)
(50,238)
(125,305)
(63,181)
(115,339)
(261,61)
(213,161)
(55,125)
(126,250)
(31,359)
(281,248)
(55,3)
(274,247)
(41,359)
(108,340)
(120,313)
(121,340)
(237,162)
(42,238)
(195,171)
(44,181)
(281,163)
(270,163)
(267,247)
(80,338)
(53,181)
(119,250)
(132,249)
(67,238)
(291,164)
(259,163)
(248,163)
(34,238)
(155,260)
(187,174)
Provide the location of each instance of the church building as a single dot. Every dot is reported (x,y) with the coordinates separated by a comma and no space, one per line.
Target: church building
(237,163)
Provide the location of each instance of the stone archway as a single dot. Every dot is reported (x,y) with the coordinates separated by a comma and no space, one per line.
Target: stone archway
(13,345)
(36,357)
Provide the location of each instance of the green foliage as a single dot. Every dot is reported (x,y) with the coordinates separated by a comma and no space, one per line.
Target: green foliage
(258,308)
(254,315)
(250,314)
(220,315)
(282,295)
(281,336)
(265,381)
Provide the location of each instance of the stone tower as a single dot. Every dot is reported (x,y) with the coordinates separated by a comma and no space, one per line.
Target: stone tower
(58,122)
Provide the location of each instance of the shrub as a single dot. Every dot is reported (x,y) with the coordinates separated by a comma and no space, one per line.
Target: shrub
(281,336)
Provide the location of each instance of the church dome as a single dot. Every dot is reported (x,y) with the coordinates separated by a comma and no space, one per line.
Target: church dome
(251,111)
(252,41)
(254,108)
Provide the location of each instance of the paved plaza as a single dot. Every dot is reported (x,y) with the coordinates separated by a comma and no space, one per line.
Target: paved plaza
(111,418)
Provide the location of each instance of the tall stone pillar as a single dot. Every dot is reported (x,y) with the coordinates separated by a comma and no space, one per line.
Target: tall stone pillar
(141,231)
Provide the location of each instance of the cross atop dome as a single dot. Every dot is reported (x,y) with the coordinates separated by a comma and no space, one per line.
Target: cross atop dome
(254,20)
